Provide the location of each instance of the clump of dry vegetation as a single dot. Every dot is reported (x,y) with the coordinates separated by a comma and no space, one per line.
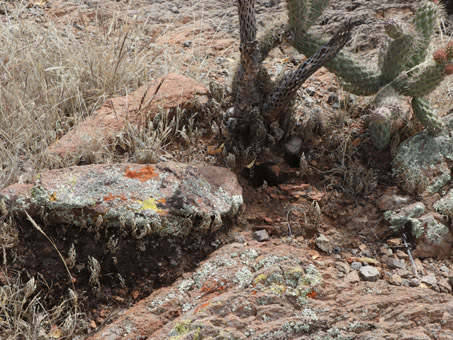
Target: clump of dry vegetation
(52,77)
(24,316)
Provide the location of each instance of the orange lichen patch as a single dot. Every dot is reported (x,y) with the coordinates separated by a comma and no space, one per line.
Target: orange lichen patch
(111,197)
(144,174)
(53,197)
(204,305)
(216,286)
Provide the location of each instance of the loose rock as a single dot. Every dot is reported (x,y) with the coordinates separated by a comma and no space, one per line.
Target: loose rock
(323,243)
(429,280)
(369,273)
(393,263)
(261,235)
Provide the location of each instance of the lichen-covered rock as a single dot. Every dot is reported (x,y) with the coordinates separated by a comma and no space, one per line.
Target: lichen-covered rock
(166,93)
(164,199)
(422,162)
(433,237)
(445,204)
(400,218)
(271,290)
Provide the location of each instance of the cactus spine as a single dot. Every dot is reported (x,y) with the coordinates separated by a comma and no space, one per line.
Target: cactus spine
(403,68)
(380,127)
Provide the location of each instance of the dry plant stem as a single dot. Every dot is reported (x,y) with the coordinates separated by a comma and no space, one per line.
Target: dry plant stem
(414,267)
(37,227)
(288,87)
(250,55)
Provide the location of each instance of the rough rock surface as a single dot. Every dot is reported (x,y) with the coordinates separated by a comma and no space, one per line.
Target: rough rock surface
(433,237)
(275,291)
(163,199)
(167,93)
(422,163)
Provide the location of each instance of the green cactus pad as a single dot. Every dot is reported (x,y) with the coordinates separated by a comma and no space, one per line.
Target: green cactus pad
(298,14)
(358,78)
(423,23)
(422,83)
(397,56)
(302,13)
(426,114)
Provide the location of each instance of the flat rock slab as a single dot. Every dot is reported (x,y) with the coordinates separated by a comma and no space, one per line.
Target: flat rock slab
(271,290)
(166,199)
(166,93)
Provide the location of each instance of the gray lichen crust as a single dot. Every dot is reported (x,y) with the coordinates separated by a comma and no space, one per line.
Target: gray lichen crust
(162,199)
(421,162)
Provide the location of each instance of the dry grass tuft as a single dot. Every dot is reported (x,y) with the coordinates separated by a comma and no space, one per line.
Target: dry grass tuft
(23,316)
(51,78)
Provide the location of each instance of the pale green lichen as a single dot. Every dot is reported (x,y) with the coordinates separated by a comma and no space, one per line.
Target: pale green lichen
(243,277)
(180,329)
(425,154)
(437,232)
(399,220)
(445,204)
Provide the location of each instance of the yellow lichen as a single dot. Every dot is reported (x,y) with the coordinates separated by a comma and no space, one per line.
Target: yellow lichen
(180,329)
(151,204)
(277,289)
(260,278)
(53,197)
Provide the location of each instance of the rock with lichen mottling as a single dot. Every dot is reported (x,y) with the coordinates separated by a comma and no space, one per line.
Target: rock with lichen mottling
(422,162)
(163,199)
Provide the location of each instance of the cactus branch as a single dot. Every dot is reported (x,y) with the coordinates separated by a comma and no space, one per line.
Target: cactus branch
(250,54)
(289,86)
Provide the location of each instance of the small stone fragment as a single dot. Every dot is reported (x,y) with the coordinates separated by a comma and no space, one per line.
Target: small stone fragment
(444,286)
(444,269)
(353,277)
(394,242)
(393,263)
(239,238)
(342,267)
(414,282)
(405,283)
(395,279)
(261,235)
(429,280)
(356,265)
(323,243)
(401,254)
(369,273)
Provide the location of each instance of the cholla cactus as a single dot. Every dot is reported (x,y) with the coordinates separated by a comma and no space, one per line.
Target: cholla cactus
(405,68)
(260,102)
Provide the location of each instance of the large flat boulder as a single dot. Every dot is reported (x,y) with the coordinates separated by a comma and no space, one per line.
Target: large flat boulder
(166,93)
(166,199)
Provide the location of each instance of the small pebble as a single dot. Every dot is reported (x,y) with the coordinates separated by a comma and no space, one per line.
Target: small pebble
(261,235)
(369,273)
(356,265)
(414,282)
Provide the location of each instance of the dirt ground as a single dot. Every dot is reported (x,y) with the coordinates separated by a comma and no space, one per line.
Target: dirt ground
(348,181)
